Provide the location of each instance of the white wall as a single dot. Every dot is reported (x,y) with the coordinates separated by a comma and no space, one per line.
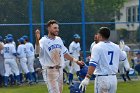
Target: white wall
(130,26)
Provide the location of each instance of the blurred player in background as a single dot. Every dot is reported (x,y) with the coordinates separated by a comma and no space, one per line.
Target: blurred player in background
(22,55)
(2,69)
(74,50)
(51,52)
(124,66)
(104,63)
(136,63)
(95,41)
(9,53)
(30,57)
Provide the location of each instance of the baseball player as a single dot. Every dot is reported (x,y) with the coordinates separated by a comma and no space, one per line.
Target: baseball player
(124,66)
(74,50)
(30,57)
(95,41)
(51,52)
(10,35)
(22,53)
(104,63)
(2,69)
(9,53)
(19,65)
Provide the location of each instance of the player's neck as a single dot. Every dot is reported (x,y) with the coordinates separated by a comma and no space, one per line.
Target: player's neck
(51,36)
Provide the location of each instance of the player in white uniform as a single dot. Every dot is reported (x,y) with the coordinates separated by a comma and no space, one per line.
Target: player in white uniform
(9,53)
(22,54)
(124,66)
(95,41)
(74,50)
(2,69)
(30,57)
(12,78)
(104,63)
(51,55)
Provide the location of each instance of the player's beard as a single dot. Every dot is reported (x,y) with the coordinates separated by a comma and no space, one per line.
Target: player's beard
(54,33)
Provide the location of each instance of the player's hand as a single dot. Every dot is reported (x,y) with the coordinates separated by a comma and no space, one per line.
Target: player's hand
(84,83)
(80,63)
(37,34)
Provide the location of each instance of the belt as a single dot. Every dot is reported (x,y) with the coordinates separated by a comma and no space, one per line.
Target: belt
(107,75)
(54,67)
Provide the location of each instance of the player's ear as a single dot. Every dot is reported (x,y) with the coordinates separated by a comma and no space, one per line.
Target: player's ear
(48,28)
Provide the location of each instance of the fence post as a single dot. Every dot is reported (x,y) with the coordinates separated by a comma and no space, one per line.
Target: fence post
(30,21)
(42,17)
(83,29)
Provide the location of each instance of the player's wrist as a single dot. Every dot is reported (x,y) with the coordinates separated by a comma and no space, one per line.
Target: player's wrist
(88,76)
(75,60)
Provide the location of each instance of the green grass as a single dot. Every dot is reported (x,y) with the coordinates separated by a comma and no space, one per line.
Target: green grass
(128,87)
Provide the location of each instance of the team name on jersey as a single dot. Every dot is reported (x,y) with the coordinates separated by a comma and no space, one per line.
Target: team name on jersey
(54,47)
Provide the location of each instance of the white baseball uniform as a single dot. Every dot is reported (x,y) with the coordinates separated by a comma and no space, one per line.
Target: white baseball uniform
(92,46)
(30,56)
(124,64)
(74,50)
(9,59)
(21,50)
(51,58)
(105,57)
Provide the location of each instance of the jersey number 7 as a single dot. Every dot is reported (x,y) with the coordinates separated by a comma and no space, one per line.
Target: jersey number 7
(111,53)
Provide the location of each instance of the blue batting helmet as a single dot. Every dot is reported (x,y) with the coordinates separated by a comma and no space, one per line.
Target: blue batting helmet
(21,40)
(9,35)
(74,88)
(76,36)
(10,39)
(25,37)
(83,71)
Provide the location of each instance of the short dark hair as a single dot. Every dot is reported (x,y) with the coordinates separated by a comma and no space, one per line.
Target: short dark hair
(50,22)
(104,32)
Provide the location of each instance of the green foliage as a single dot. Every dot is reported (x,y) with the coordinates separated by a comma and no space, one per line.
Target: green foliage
(104,10)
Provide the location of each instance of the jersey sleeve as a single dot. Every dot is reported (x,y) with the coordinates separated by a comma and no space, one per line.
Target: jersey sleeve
(95,56)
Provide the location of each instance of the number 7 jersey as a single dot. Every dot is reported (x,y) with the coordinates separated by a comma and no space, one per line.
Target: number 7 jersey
(105,56)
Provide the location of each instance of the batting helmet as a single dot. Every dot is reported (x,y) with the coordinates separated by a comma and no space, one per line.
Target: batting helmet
(9,35)
(74,88)
(76,36)
(10,39)
(21,40)
(25,38)
(83,71)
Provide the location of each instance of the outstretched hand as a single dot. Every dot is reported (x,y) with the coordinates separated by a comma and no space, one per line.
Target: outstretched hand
(37,34)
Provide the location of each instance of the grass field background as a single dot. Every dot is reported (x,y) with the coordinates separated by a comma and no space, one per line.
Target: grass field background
(123,87)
